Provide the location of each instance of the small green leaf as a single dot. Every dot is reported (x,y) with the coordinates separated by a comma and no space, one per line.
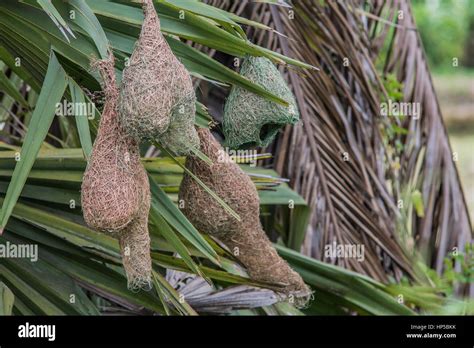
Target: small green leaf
(176,218)
(82,121)
(170,294)
(87,21)
(7,87)
(55,16)
(417,200)
(165,230)
(6,300)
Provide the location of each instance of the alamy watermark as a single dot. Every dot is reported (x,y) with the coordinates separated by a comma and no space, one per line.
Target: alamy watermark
(238,156)
(19,251)
(354,251)
(393,108)
(28,330)
(66,108)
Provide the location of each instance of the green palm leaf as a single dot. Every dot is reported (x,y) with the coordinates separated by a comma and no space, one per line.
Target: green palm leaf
(52,91)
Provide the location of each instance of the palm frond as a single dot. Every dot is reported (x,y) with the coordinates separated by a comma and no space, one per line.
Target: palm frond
(340,158)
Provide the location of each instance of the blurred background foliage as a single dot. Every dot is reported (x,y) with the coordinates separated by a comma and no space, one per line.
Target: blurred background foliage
(447,31)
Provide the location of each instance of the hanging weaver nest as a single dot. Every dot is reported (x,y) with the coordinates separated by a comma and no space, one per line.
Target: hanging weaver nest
(251,120)
(115,189)
(110,195)
(246,239)
(135,245)
(157,99)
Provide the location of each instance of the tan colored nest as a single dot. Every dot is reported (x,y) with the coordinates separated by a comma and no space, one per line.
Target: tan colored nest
(135,246)
(115,191)
(246,239)
(111,194)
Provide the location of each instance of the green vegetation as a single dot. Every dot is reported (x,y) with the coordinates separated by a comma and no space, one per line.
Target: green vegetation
(443,26)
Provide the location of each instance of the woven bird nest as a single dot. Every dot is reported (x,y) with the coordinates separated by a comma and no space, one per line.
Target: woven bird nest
(111,194)
(135,245)
(246,239)
(115,192)
(251,120)
(157,99)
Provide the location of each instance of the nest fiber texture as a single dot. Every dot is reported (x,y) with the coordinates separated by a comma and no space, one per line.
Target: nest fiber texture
(251,120)
(135,246)
(115,190)
(246,239)
(157,99)
(111,194)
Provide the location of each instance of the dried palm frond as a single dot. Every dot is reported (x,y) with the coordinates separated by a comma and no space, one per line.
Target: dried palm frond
(359,179)
(206,299)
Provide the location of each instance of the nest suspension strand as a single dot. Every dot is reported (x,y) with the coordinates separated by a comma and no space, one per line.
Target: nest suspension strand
(246,239)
